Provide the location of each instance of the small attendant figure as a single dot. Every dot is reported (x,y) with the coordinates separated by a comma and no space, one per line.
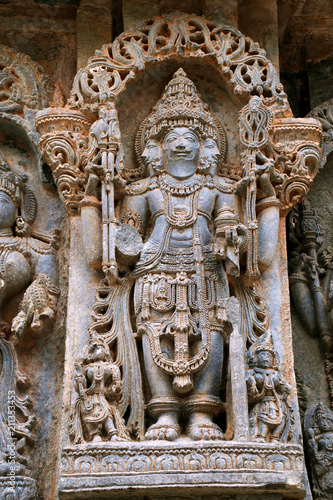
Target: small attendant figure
(97,381)
(270,414)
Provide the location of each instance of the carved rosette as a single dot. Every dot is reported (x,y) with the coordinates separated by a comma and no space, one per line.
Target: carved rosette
(64,139)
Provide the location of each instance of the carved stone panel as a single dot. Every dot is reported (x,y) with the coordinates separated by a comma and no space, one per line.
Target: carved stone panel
(178,341)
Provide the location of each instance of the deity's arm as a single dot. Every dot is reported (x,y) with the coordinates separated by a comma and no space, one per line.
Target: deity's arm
(281,384)
(91,231)
(135,211)
(268,217)
(38,306)
(251,384)
(230,232)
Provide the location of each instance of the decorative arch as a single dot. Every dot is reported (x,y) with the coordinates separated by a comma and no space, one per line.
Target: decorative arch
(238,58)
(25,88)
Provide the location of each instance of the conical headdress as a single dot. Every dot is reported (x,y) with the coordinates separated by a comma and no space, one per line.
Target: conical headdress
(323,412)
(180,106)
(14,185)
(264,343)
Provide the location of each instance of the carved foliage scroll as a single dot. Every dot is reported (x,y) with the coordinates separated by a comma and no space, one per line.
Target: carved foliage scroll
(240,59)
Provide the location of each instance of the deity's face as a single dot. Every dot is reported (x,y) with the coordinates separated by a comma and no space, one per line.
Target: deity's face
(7,211)
(181,152)
(209,156)
(326,424)
(265,359)
(152,157)
(98,353)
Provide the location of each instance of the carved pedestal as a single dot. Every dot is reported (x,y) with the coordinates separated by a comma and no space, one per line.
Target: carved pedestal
(184,469)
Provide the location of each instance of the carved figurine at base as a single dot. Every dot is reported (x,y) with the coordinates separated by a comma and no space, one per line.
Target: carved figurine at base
(97,381)
(271,417)
(318,426)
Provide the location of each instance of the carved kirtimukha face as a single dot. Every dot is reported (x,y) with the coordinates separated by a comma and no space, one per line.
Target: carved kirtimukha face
(209,156)
(181,152)
(7,211)
(152,157)
(265,359)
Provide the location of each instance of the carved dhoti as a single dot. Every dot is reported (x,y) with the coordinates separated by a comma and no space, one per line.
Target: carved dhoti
(178,310)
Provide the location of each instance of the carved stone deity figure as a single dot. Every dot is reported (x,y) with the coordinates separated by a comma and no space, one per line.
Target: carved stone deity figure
(271,417)
(311,279)
(98,384)
(27,264)
(194,239)
(318,424)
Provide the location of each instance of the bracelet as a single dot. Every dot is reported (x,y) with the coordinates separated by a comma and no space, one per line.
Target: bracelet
(90,201)
(272,201)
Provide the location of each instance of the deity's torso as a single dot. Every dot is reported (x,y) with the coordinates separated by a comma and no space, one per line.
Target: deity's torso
(182,215)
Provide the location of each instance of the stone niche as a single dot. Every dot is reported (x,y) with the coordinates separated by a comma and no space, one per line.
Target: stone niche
(177,159)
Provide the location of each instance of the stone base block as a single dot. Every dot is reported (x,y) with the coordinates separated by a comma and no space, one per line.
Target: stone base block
(18,488)
(187,469)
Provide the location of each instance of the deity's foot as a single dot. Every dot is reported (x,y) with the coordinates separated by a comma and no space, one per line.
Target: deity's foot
(201,427)
(118,438)
(163,432)
(259,439)
(204,430)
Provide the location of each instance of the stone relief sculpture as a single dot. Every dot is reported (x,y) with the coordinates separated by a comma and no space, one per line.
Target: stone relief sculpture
(311,278)
(28,270)
(318,424)
(27,264)
(271,416)
(182,249)
(98,383)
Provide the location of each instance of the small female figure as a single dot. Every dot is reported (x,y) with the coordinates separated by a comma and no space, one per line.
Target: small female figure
(270,414)
(95,416)
(318,423)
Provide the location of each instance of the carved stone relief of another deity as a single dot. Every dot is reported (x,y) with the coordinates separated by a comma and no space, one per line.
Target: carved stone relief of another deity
(29,291)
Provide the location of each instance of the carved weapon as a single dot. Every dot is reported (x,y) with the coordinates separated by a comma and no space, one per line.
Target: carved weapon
(253,124)
(106,131)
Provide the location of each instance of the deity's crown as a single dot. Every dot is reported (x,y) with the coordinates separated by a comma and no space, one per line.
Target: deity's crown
(323,412)
(14,185)
(264,343)
(181,106)
(10,183)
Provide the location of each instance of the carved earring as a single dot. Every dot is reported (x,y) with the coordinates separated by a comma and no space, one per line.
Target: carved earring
(22,228)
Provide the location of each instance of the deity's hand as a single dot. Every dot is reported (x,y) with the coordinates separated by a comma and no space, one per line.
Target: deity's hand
(251,386)
(55,239)
(78,375)
(231,236)
(37,307)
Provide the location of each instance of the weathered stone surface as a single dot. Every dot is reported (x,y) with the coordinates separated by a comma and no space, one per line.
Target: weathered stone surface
(74,360)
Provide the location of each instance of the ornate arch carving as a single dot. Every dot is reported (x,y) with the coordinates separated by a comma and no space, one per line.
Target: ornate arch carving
(25,88)
(238,58)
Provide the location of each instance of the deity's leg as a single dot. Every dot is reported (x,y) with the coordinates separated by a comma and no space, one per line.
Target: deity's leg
(204,402)
(164,405)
